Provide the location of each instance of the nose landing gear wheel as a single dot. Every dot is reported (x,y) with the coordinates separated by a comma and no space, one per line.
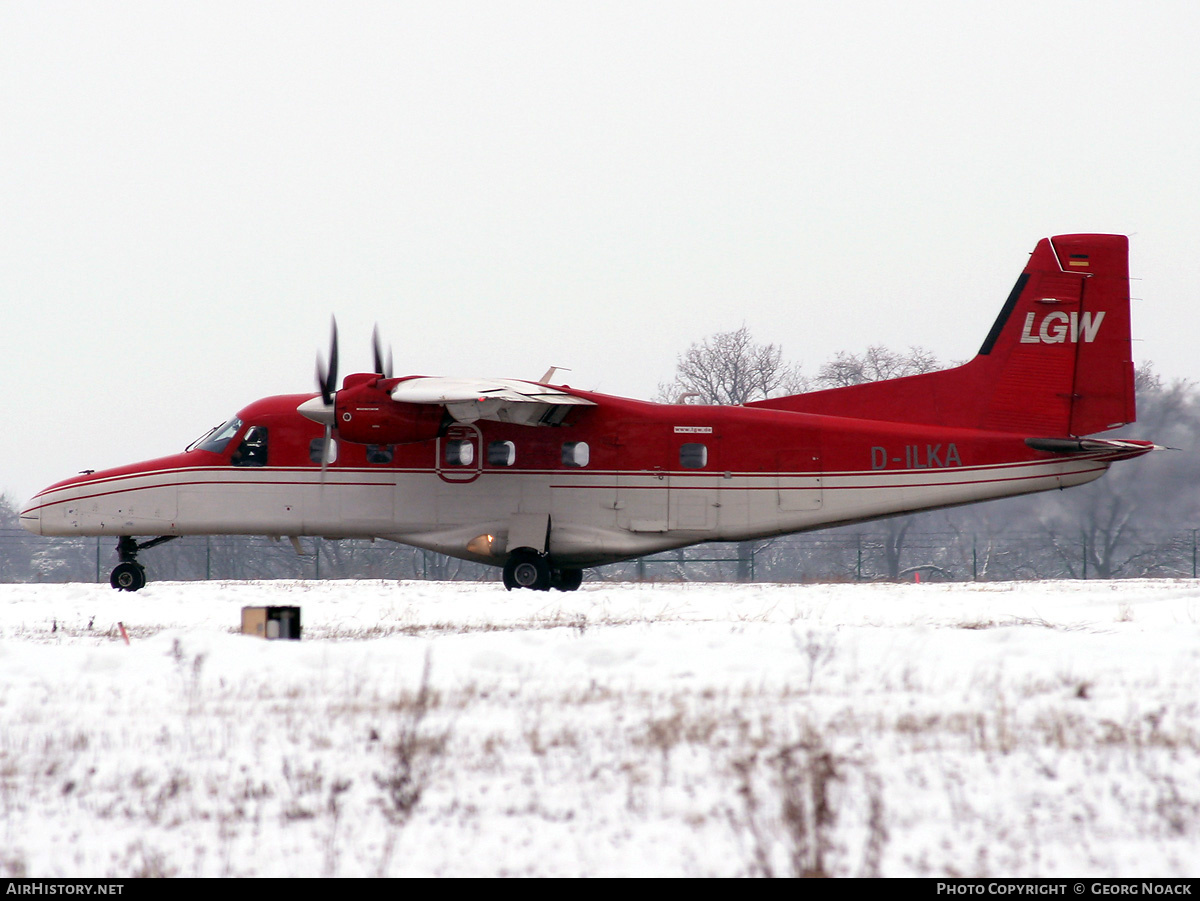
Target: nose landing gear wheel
(128,576)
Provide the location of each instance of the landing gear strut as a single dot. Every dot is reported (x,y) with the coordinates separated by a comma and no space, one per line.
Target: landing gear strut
(527,568)
(129,575)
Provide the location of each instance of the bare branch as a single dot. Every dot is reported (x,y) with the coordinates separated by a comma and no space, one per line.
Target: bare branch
(729,368)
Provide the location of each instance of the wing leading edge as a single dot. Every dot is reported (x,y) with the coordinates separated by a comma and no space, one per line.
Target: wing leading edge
(497,400)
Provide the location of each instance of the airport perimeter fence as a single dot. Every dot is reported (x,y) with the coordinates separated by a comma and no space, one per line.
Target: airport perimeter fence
(844,555)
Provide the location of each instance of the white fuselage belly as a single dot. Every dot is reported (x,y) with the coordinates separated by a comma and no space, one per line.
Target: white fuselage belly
(595,517)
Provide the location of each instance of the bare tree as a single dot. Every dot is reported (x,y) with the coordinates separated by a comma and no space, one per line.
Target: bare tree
(730,368)
(1103,530)
(875,364)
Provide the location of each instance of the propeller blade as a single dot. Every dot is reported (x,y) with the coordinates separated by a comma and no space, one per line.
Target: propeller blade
(333,356)
(327,379)
(325,411)
(383,368)
(326,397)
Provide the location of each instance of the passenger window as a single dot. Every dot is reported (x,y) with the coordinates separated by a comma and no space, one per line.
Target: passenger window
(380,453)
(693,456)
(576,453)
(314,450)
(501,453)
(253,449)
(460,453)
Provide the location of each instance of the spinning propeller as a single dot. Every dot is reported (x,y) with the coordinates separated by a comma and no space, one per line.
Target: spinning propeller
(378,409)
(324,409)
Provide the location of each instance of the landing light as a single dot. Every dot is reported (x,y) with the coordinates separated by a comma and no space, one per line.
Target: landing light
(481,544)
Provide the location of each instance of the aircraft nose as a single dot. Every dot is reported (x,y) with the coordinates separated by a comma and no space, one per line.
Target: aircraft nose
(31,519)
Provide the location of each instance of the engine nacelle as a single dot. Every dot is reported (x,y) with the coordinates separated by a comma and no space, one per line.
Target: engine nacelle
(366,414)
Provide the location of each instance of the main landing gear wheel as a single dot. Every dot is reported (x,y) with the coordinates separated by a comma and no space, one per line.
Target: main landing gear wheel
(567,579)
(527,570)
(128,576)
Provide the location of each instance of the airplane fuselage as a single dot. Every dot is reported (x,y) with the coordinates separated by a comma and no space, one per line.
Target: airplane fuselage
(611,482)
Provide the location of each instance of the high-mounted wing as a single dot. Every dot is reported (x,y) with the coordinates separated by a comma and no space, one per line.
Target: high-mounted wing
(497,400)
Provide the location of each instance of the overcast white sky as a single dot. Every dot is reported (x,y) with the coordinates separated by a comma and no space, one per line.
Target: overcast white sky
(189,190)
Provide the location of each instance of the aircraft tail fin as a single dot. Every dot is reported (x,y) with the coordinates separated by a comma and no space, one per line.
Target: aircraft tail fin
(1057,361)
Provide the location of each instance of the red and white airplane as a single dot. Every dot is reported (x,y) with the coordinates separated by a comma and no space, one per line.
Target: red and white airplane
(545,480)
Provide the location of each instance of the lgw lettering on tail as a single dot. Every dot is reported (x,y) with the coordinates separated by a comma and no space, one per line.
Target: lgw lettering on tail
(1058,327)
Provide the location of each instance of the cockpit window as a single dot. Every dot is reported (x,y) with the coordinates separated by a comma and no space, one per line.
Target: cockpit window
(216,439)
(253,449)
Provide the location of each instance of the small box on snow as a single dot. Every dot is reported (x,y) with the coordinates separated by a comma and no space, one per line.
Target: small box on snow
(271,622)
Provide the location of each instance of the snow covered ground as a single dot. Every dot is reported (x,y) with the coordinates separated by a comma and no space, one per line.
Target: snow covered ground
(1015,729)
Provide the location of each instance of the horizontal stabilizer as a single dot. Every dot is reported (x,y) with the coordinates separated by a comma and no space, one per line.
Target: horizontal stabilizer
(1088,445)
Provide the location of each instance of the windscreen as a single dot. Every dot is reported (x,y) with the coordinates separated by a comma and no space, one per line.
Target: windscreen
(217,438)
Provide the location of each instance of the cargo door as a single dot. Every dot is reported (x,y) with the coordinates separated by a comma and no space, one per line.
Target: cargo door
(643,485)
(798,479)
(696,477)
